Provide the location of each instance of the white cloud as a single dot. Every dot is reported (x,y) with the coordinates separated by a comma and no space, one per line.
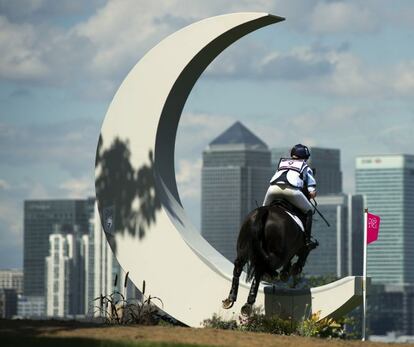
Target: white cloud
(188,179)
(205,123)
(122,41)
(404,78)
(197,130)
(37,190)
(41,11)
(4,185)
(316,70)
(340,16)
(71,145)
(330,71)
(77,188)
(94,55)
(8,213)
(20,59)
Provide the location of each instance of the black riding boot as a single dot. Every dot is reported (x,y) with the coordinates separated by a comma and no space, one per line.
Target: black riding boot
(310,244)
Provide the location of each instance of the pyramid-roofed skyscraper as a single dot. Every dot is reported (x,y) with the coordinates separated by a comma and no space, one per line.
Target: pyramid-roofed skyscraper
(239,135)
(235,177)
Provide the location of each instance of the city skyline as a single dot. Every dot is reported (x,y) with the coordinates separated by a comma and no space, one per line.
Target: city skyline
(63,199)
(335,74)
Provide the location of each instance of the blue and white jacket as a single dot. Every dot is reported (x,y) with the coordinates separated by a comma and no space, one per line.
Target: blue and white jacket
(294,172)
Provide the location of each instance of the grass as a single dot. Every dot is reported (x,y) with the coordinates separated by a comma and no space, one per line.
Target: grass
(16,341)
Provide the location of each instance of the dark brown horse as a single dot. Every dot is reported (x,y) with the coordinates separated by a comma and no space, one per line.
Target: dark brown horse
(268,240)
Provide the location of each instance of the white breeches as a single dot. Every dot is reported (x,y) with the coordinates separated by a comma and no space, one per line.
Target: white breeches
(293,195)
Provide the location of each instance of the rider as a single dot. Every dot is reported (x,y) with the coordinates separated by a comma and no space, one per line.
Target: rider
(292,180)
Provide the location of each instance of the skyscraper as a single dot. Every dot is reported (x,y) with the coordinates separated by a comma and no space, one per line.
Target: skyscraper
(235,176)
(326,163)
(65,273)
(387,181)
(40,216)
(8,303)
(12,279)
(340,249)
(99,270)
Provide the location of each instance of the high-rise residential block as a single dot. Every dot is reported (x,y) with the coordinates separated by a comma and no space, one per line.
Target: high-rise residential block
(100,266)
(32,307)
(12,279)
(65,273)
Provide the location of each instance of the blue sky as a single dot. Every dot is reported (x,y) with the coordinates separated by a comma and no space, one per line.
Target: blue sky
(335,74)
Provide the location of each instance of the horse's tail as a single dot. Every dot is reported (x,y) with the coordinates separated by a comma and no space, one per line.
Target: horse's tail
(259,260)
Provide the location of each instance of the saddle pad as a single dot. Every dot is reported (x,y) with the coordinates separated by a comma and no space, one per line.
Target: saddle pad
(296,219)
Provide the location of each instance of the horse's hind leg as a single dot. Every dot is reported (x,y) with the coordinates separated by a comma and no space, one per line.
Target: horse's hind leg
(238,268)
(247,308)
(300,263)
(285,272)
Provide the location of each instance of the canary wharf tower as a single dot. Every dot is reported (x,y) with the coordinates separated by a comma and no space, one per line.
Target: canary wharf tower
(235,176)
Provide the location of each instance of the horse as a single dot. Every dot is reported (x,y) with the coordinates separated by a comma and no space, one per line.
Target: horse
(269,238)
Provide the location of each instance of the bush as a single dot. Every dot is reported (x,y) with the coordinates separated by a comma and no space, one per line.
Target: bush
(327,327)
(216,322)
(258,322)
(272,325)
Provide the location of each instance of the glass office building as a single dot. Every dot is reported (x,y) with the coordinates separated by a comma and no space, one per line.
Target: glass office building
(341,244)
(387,181)
(40,217)
(235,176)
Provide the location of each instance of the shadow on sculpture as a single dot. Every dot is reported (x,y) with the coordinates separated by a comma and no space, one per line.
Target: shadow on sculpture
(127,198)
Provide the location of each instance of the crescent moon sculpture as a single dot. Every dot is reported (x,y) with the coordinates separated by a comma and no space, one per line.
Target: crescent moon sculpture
(138,201)
(136,190)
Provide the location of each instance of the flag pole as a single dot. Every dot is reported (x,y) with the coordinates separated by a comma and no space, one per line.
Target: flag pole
(364,278)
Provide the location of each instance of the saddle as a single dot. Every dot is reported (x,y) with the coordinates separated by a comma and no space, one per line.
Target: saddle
(292,209)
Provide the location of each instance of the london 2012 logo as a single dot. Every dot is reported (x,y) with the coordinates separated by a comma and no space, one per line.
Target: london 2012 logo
(372,223)
(108,219)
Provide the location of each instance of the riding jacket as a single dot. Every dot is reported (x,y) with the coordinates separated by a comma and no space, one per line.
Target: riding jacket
(294,172)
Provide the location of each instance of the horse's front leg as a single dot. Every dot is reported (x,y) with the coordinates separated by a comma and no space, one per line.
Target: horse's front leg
(238,268)
(246,310)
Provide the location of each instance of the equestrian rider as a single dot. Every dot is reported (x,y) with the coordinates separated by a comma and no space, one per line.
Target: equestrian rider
(292,180)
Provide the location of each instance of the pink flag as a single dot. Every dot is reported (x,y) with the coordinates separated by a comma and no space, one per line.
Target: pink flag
(373,224)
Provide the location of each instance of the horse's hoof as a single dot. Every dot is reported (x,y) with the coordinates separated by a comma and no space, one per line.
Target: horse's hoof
(246,310)
(284,276)
(227,303)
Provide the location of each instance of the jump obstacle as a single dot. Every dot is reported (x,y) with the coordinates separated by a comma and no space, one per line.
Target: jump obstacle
(139,205)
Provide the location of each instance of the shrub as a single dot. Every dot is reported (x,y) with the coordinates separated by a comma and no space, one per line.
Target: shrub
(258,322)
(216,322)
